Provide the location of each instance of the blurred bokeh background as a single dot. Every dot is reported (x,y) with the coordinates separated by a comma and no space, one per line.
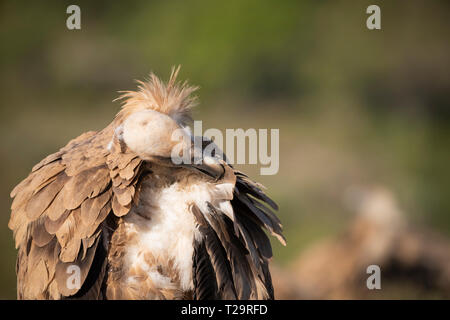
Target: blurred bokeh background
(363,116)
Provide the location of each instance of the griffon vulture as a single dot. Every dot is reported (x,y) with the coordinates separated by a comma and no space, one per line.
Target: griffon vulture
(114,207)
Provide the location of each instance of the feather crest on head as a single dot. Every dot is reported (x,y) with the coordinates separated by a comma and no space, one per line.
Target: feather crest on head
(172,98)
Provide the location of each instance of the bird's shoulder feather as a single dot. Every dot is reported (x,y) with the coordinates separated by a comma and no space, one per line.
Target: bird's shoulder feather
(59,214)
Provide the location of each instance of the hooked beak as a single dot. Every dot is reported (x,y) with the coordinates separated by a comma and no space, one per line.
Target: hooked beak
(207,165)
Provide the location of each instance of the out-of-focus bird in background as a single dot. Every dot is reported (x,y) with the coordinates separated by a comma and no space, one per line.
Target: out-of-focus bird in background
(410,257)
(135,224)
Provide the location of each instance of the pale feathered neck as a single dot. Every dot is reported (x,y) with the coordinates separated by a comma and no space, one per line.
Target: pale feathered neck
(172,98)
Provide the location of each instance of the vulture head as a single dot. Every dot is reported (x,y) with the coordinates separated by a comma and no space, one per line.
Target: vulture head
(149,133)
(153,124)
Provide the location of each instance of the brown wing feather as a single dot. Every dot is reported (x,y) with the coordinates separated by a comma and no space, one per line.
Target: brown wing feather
(236,249)
(203,275)
(222,279)
(44,197)
(251,216)
(58,211)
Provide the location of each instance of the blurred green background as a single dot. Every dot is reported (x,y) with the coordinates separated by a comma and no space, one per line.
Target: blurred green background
(354,107)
